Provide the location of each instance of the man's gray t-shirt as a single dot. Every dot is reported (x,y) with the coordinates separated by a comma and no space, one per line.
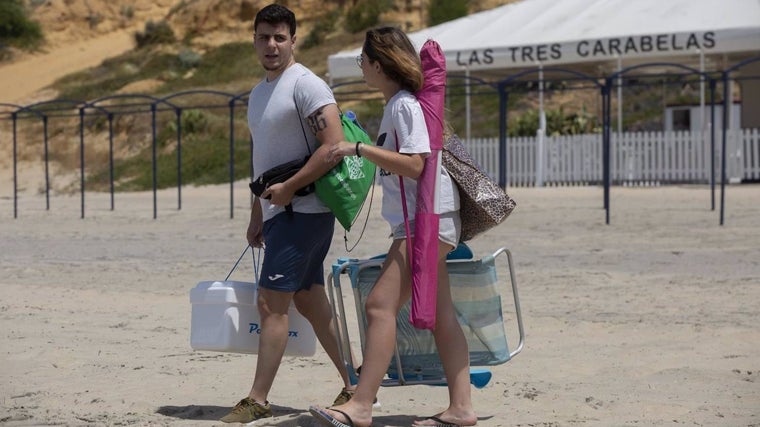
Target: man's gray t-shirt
(278,137)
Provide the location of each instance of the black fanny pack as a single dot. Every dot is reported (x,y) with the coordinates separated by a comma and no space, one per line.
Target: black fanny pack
(278,174)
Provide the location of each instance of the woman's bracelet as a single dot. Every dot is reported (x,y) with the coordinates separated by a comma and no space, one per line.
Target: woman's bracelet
(358,151)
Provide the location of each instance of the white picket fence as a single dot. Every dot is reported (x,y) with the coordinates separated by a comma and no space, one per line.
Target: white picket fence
(638,158)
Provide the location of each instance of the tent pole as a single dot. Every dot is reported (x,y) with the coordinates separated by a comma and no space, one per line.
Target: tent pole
(503,182)
(726,106)
(619,127)
(606,119)
(712,142)
(541,130)
(702,115)
(620,97)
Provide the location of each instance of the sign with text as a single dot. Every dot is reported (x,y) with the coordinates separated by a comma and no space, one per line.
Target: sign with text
(639,46)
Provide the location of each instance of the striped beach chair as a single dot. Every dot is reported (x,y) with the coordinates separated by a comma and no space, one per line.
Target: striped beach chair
(477,300)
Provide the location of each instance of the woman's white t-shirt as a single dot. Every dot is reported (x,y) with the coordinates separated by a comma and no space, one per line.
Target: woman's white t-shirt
(403,117)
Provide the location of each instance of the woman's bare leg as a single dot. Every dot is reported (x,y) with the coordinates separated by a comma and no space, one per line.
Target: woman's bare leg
(452,348)
(392,290)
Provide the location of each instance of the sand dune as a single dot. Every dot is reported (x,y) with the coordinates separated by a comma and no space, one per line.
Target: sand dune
(21,81)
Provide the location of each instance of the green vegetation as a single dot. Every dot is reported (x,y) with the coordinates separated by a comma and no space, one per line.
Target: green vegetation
(113,74)
(365,14)
(189,58)
(325,25)
(484,108)
(94,19)
(127,11)
(557,123)
(440,11)
(205,155)
(16,29)
(230,68)
(229,63)
(155,33)
(204,162)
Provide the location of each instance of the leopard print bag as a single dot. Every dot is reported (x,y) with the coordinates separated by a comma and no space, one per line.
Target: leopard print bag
(483,203)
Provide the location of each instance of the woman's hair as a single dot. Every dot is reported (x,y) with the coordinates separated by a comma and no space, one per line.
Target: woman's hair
(397,56)
(275,14)
(448,130)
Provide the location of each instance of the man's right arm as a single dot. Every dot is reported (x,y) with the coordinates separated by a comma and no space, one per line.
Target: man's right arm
(255,225)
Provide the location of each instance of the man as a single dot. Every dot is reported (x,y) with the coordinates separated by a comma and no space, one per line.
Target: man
(292,113)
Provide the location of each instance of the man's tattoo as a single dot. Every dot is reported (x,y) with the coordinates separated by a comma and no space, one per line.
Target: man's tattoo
(317,121)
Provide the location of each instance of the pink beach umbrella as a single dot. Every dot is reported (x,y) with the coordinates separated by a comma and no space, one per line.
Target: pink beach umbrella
(425,247)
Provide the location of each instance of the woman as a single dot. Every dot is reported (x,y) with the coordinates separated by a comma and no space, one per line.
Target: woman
(391,64)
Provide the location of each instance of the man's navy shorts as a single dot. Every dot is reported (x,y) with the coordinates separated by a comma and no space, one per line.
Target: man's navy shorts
(295,247)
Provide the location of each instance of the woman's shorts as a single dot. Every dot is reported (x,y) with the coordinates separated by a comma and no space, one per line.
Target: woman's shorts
(449,229)
(295,249)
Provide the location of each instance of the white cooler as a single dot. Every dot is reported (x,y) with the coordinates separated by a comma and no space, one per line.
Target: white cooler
(225,318)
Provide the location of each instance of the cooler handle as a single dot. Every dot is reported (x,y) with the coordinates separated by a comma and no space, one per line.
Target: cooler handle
(256,263)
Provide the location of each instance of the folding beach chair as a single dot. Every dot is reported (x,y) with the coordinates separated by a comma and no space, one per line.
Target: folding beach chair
(474,288)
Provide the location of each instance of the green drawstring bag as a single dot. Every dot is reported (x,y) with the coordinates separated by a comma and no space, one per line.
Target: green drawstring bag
(344,188)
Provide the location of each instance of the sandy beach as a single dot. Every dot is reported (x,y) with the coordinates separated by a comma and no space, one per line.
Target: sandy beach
(651,320)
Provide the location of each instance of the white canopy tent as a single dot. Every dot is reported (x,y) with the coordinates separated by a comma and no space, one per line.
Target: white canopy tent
(550,32)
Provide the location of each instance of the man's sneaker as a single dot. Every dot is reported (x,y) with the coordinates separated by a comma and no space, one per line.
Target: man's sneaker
(346,395)
(248,410)
(343,397)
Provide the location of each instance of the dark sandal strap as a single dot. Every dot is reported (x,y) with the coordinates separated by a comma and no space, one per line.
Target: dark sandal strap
(442,423)
(348,418)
